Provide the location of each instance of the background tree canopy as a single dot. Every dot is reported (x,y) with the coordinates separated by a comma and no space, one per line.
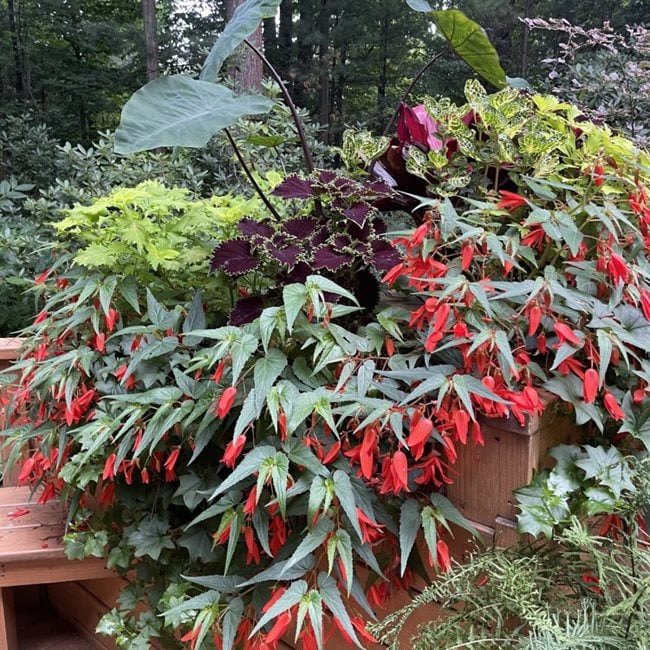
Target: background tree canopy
(75,62)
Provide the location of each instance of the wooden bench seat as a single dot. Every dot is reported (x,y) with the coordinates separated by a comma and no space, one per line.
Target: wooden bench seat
(31,553)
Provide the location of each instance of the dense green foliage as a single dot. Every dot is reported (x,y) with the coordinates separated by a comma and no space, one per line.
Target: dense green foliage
(257,436)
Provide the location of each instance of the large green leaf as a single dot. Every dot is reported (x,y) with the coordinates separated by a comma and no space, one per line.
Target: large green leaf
(178,111)
(470,42)
(244,22)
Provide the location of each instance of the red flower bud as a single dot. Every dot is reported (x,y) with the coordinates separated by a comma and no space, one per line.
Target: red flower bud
(613,407)
(226,401)
(590,385)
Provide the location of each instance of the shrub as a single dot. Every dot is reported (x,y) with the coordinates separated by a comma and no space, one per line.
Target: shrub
(604,72)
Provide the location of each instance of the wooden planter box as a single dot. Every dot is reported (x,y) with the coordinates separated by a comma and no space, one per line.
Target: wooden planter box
(484,479)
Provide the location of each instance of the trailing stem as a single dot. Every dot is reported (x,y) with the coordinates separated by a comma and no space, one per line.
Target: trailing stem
(250,176)
(407,92)
(309,160)
(404,97)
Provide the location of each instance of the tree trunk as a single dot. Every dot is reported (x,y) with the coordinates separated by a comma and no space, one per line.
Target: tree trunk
(305,29)
(152,62)
(247,69)
(15,46)
(270,34)
(383,75)
(324,69)
(285,38)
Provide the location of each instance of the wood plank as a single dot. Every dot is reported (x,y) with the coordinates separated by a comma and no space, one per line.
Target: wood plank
(485,477)
(82,610)
(10,348)
(8,635)
(46,571)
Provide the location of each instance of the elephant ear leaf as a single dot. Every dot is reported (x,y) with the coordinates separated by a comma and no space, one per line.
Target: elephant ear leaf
(470,42)
(178,111)
(419,5)
(243,23)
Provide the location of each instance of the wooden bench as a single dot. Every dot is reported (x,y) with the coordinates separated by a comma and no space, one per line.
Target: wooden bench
(31,553)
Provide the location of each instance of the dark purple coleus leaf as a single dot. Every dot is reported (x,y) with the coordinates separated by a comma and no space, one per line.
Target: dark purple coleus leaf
(288,256)
(300,228)
(246,310)
(358,212)
(250,228)
(326,176)
(328,258)
(294,187)
(384,256)
(298,273)
(341,241)
(319,237)
(361,233)
(378,189)
(234,257)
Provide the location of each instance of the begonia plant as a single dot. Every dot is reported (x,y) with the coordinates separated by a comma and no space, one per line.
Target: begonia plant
(262,462)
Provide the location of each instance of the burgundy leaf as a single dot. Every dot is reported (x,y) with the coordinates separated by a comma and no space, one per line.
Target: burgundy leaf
(246,310)
(384,256)
(327,258)
(250,228)
(298,273)
(301,228)
(326,176)
(379,189)
(361,233)
(358,212)
(234,257)
(288,255)
(294,187)
(341,241)
(319,237)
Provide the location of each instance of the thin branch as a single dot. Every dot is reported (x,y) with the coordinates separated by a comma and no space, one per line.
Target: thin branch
(404,97)
(251,178)
(407,92)
(309,160)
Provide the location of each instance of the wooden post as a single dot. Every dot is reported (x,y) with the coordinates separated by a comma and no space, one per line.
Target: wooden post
(9,352)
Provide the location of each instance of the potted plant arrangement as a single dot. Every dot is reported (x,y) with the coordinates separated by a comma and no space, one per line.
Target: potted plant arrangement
(260,447)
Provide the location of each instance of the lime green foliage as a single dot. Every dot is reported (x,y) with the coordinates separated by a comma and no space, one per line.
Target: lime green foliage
(154,229)
(515,137)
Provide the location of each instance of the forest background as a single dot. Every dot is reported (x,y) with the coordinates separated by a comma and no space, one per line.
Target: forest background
(74,63)
(68,66)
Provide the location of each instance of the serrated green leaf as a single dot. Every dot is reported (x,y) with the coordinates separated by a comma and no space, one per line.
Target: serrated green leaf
(409,525)
(292,596)
(267,370)
(248,466)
